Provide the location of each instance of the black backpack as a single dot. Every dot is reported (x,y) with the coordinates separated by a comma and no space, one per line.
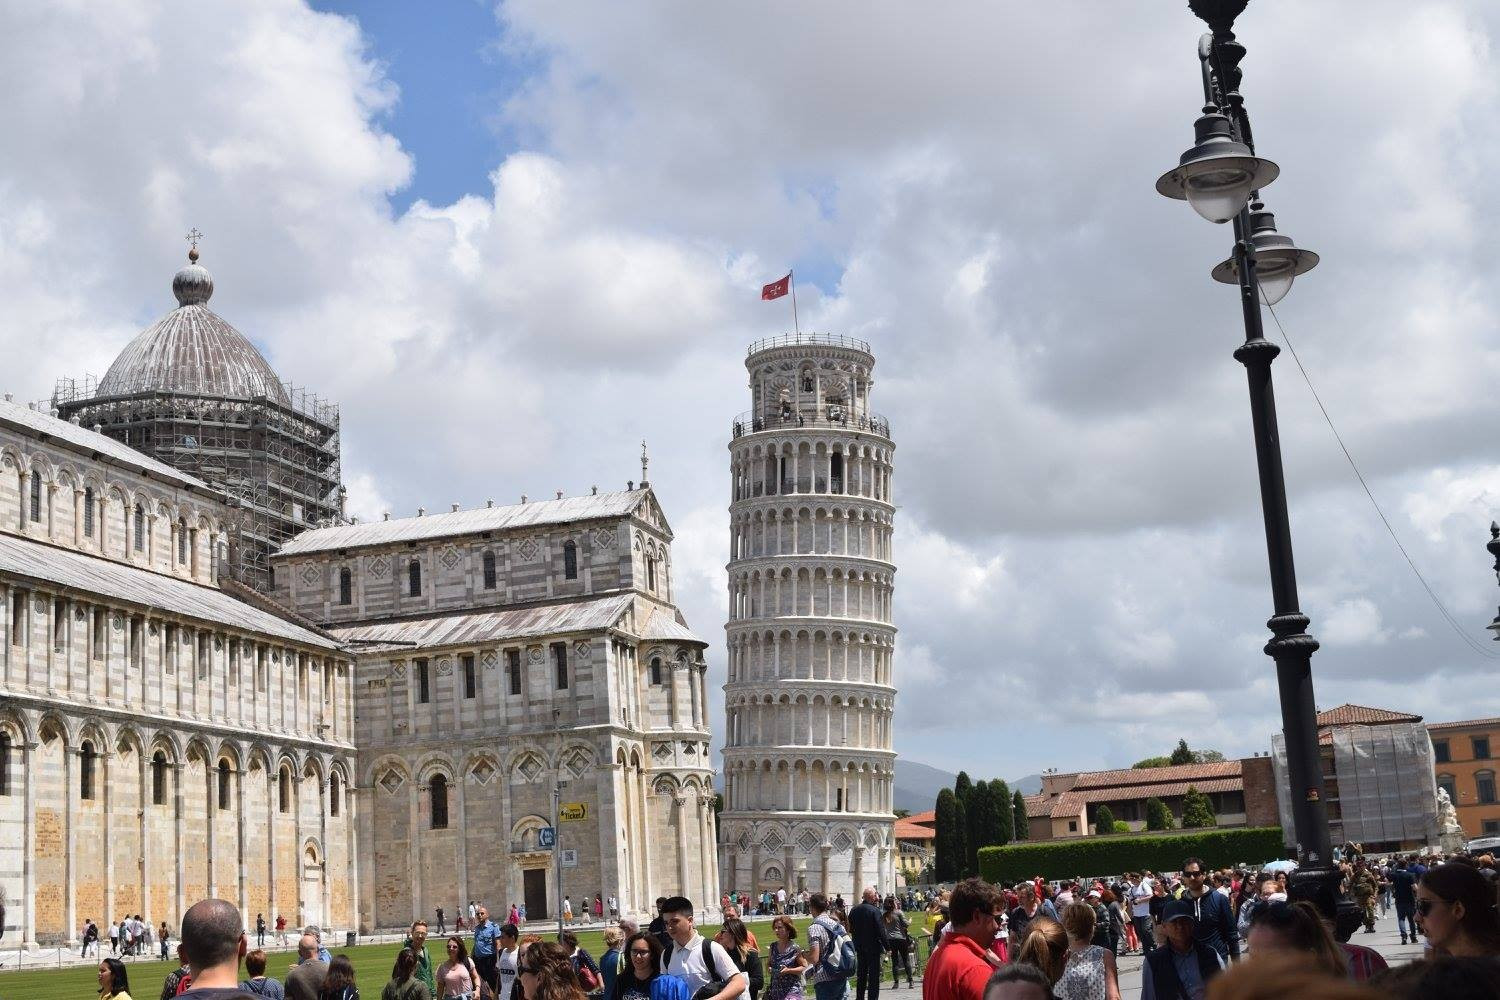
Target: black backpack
(714,986)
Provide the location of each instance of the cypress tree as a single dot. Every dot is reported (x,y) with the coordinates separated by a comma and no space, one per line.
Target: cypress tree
(1005,820)
(1197,810)
(1158,816)
(963,787)
(1104,821)
(1018,813)
(1182,755)
(948,843)
(982,823)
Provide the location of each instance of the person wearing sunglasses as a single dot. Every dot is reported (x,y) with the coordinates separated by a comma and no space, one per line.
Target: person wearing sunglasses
(642,965)
(1457,907)
(1215,921)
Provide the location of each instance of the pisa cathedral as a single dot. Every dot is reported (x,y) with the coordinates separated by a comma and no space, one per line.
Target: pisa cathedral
(808,765)
(213,684)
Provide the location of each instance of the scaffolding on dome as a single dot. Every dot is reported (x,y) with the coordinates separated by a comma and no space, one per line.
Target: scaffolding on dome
(279,464)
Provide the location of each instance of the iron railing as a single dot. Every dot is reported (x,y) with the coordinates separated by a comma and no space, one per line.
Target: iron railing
(833,415)
(811,339)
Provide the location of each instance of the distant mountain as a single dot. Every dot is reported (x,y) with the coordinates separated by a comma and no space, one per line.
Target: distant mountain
(918,784)
(1029,785)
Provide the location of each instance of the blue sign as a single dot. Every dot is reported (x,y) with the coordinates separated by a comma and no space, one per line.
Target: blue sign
(546,837)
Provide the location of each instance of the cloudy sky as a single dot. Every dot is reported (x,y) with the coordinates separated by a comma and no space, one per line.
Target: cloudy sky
(513,241)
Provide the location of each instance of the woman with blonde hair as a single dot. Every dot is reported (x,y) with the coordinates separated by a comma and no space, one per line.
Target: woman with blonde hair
(545,972)
(1044,946)
(1089,971)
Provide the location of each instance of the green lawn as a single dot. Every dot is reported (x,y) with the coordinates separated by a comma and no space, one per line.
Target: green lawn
(372,968)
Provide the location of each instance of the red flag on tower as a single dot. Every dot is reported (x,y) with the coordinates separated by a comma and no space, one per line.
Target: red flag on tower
(776,289)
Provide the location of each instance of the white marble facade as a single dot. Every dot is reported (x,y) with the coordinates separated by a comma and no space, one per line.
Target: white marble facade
(807,756)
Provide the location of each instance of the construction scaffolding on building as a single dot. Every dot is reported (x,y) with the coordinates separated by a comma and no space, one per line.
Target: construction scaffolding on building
(278,461)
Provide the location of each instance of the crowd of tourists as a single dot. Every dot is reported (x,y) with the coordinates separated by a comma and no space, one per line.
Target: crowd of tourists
(129,935)
(1215,934)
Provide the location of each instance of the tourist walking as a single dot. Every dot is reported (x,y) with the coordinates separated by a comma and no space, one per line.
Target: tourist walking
(1213,920)
(958,968)
(734,936)
(280,930)
(90,937)
(694,959)
(1404,895)
(256,981)
(441,922)
(1183,967)
(114,937)
(590,978)
(260,930)
(339,983)
(613,960)
(405,984)
(305,979)
(898,941)
(1089,971)
(416,943)
(507,959)
(785,962)
(114,982)
(163,935)
(642,965)
(1457,907)
(867,928)
(485,933)
(458,977)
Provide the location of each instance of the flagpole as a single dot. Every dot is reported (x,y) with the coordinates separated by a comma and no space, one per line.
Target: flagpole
(792,280)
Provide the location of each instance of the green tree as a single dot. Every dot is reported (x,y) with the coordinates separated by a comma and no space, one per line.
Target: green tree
(1158,816)
(963,787)
(1208,756)
(1152,762)
(948,844)
(1197,810)
(1005,819)
(981,824)
(1104,820)
(1018,812)
(902,813)
(1182,755)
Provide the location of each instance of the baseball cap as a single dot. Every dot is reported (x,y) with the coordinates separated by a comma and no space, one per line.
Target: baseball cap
(1178,909)
(1094,894)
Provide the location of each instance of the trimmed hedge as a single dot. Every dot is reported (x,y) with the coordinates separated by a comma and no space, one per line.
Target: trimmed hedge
(1056,859)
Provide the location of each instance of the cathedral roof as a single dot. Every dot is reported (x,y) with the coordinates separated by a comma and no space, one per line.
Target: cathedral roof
(192,350)
(466,522)
(500,625)
(35,423)
(667,626)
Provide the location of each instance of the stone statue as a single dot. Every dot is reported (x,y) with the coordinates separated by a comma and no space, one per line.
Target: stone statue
(1450,834)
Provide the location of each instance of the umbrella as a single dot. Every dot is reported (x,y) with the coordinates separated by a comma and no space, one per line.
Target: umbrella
(1279,866)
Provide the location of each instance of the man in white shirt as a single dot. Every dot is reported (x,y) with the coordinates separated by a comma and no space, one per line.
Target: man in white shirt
(781,900)
(506,953)
(1140,909)
(689,955)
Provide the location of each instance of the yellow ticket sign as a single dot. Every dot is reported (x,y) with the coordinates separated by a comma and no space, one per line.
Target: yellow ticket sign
(573,812)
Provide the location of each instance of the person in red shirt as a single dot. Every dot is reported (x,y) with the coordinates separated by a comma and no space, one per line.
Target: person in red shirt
(963,962)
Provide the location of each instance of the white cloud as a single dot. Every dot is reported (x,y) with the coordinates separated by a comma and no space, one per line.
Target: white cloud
(1079,538)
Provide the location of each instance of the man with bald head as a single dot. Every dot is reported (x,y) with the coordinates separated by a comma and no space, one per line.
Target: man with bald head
(868,931)
(305,981)
(211,946)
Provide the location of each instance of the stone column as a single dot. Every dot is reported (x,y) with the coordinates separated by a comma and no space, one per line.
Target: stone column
(414,853)
(241,862)
(272,769)
(210,812)
(353,814)
(28,857)
(109,851)
(145,856)
(177,889)
(462,779)
(327,891)
(70,864)
(826,881)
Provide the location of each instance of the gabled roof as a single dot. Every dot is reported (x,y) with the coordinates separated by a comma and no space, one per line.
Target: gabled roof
(1362,715)
(927,818)
(499,625)
(143,588)
(907,830)
(35,423)
(467,522)
(1466,724)
(1156,775)
(667,626)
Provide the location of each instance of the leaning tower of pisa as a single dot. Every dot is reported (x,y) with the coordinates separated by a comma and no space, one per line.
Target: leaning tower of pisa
(808,764)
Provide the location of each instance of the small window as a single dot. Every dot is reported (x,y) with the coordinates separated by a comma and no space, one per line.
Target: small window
(59,626)
(1481,747)
(1484,787)
(570,561)
(1490,827)
(656,670)
(182,541)
(1440,751)
(650,573)
(159,779)
(424,693)
(838,800)
(36,496)
(489,571)
(438,790)
(100,634)
(1447,784)
(346,587)
(140,528)
(86,770)
(1072,826)
(223,786)
(513,670)
(414,579)
(18,600)
(88,512)
(469,681)
(335,793)
(284,791)
(560,662)
(4,763)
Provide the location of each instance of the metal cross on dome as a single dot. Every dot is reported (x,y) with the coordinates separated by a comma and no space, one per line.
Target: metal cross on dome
(193,237)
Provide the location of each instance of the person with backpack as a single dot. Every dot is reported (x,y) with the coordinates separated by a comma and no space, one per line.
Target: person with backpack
(704,967)
(831,953)
(590,978)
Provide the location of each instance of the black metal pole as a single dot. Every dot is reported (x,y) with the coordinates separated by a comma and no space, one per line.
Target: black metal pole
(1291,646)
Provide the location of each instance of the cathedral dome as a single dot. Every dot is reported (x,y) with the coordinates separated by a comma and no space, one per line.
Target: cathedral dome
(192,350)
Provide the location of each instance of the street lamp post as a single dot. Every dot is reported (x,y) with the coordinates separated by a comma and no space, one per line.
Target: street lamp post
(1221,177)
